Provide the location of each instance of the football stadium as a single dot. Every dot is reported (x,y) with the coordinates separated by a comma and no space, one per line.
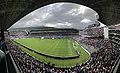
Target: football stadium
(62,50)
(59,36)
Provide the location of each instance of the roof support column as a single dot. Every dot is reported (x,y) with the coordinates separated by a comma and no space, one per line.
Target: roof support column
(2,37)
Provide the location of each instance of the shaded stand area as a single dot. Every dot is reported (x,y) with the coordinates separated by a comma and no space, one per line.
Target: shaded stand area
(6,64)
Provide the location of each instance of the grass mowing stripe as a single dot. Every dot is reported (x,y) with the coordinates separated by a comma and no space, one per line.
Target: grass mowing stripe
(69,45)
(48,48)
(55,47)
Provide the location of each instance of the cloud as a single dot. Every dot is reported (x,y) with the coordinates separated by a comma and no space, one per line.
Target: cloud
(85,21)
(59,15)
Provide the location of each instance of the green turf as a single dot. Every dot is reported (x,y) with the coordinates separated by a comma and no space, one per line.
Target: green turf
(56,47)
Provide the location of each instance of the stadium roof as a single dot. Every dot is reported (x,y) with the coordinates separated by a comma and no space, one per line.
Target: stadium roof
(13,10)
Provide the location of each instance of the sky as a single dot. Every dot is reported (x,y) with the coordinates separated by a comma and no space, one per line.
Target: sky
(59,15)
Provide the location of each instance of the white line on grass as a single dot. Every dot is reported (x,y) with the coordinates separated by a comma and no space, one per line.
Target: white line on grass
(85,50)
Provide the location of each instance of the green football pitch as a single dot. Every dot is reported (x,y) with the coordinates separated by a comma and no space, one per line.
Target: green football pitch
(55,47)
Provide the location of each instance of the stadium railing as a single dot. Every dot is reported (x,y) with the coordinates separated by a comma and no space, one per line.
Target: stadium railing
(7,64)
(115,67)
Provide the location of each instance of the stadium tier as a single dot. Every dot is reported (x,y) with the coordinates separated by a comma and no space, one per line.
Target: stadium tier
(54,31)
